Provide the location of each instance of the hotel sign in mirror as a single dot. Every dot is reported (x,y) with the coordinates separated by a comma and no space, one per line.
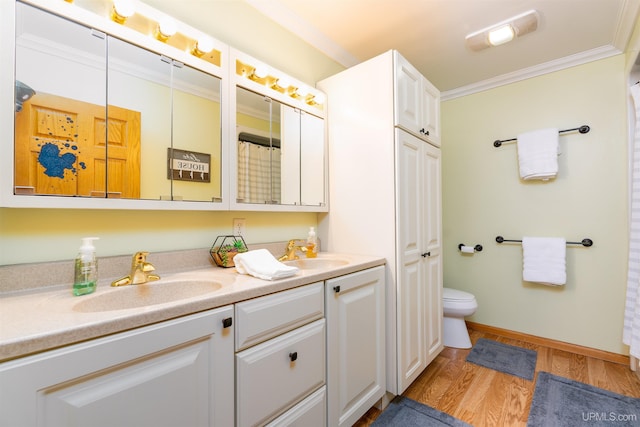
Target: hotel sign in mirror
(97,117)
(280,151)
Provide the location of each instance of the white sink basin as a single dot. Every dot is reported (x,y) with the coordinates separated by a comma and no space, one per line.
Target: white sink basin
(134,296)
(317,263)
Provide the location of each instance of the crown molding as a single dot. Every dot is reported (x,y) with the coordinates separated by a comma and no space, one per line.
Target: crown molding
(535,71)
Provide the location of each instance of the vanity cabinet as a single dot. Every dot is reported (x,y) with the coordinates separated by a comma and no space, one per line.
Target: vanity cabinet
(417,102)
(393,209)
(168,374)
(355,344)
(280,363)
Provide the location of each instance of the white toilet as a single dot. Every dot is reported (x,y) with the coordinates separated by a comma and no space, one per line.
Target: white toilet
(456,305)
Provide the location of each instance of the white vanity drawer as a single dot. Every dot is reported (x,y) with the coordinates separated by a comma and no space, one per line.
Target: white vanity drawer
(260,319)
(274,376)
(311,412)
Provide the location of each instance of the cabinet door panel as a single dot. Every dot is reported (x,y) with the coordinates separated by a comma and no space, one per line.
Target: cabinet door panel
(408,111)
(356,337)
(172,373)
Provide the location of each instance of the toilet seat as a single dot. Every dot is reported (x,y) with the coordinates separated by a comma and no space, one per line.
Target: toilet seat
(456,295)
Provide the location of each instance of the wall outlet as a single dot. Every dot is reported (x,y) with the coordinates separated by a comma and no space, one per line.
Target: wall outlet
(239,225)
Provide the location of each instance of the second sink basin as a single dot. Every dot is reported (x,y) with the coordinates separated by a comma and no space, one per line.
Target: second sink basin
(134,296)
(317,263)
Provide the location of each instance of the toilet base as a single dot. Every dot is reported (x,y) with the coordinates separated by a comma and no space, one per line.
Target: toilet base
(455,333)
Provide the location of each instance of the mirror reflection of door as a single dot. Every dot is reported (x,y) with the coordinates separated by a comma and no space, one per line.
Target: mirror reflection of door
(60,149)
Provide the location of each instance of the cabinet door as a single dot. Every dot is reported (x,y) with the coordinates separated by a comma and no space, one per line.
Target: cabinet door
(356,344)
(432,241)
(178,372)
(408,96)
(411,291)
(430,112)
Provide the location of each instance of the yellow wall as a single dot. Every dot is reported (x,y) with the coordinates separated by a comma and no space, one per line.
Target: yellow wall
(483,197)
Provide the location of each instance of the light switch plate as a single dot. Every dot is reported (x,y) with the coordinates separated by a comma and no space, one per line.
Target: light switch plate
(239,225)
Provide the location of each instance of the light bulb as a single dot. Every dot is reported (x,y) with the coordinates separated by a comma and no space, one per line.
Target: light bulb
(202,46)
(166,28)
(501,35)
(122,9)
(261,71)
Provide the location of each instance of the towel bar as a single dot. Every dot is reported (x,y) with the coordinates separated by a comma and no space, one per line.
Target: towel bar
(584,242)
(582,129)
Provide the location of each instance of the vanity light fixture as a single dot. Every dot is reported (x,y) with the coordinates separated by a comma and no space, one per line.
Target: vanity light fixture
(122,10)
(503,32)
(166,28)
(202,46)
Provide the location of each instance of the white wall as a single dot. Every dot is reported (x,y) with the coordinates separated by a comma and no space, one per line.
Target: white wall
(483,197)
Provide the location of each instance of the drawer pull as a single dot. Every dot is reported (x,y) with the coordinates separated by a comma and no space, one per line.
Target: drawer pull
(336,288)
(293,356)
(227,322)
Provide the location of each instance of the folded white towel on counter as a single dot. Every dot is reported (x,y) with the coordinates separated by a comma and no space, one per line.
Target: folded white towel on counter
(538,154)
(544,260)
(261,264)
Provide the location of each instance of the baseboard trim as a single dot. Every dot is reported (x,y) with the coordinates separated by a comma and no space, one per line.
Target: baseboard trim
(558,345)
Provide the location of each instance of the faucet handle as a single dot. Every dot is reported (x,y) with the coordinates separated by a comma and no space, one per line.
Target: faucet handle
(139,257)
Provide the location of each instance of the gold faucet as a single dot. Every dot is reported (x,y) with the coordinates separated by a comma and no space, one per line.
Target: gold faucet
(292,247)
(140,271)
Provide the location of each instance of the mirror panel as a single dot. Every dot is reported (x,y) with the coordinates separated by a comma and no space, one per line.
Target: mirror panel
(100,117)
(312,160)
(197,136)
(293,159)
(139,83)
(60,104)
(258,148)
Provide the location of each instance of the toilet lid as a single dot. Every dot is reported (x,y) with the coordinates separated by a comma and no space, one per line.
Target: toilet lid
(456,295)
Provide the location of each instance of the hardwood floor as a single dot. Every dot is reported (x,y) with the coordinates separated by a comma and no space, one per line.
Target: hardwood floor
(484,397)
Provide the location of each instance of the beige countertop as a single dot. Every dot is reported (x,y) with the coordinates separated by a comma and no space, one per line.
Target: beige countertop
(48,318)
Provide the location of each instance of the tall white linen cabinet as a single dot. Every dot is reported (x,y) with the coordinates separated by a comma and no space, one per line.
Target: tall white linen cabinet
(385,198)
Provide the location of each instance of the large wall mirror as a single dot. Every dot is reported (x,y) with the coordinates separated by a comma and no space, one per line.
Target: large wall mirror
(280,153)
(99,117)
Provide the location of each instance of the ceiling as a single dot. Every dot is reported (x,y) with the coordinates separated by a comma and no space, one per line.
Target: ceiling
(431,34)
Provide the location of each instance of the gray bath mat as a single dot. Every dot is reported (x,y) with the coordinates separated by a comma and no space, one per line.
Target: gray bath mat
(563,402)
(404,412)
(509,359)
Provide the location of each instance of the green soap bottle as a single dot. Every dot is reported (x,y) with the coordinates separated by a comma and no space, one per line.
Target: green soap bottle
(86,268)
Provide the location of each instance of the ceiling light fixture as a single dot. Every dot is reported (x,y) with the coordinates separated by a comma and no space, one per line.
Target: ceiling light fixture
(504,31)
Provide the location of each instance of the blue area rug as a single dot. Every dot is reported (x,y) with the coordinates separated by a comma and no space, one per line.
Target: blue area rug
(563,402)
(509,359)
(404,412)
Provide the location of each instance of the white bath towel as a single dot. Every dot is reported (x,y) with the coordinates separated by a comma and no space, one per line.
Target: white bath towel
(544,260)
(538,154)
(261,264)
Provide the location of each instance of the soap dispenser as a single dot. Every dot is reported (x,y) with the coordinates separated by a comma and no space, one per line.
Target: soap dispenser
(312,244)
(86,268)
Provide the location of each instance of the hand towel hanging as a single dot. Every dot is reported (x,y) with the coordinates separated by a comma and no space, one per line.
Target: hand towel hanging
(538,154)
(544,260)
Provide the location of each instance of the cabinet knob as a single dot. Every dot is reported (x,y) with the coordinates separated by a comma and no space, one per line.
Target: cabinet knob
(227,322)
(336,288)
(424,132)
(426,254)
(293,356)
